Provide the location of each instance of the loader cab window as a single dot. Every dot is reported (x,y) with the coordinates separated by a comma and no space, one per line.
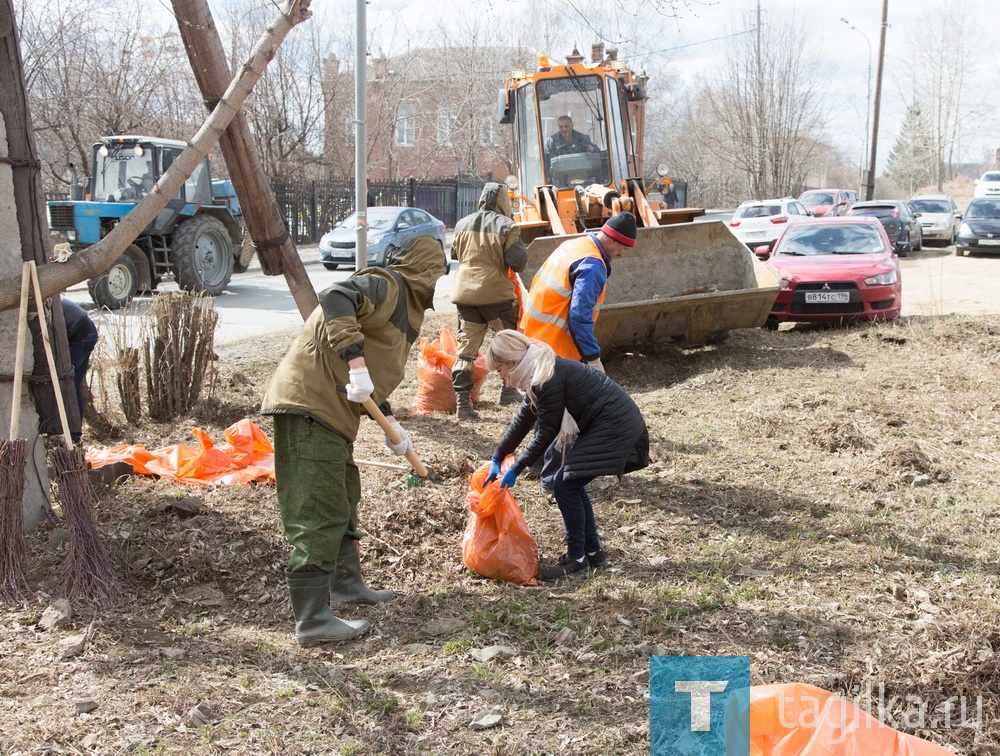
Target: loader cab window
(528,141)
(571,113)
(617,110)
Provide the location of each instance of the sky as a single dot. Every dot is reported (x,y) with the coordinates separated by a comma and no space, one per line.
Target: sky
(694,41)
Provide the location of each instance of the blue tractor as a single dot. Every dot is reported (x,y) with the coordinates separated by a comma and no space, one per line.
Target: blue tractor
(196,240)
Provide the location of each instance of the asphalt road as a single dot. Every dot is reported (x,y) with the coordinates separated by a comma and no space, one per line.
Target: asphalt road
(935,283)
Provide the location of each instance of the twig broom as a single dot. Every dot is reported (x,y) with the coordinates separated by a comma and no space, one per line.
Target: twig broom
(87,571)
(13,456)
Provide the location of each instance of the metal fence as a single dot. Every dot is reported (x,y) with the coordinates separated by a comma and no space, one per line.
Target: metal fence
(311,209)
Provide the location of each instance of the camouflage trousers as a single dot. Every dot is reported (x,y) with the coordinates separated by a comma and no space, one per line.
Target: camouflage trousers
(319,488)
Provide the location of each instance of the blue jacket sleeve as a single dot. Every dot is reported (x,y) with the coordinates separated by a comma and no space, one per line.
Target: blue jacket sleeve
(588,277)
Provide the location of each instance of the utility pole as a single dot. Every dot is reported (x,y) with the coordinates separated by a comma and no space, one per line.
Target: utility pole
(870,186)
(361,134)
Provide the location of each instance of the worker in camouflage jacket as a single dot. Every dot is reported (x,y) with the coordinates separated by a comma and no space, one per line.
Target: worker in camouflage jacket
(487,245)
(366,323)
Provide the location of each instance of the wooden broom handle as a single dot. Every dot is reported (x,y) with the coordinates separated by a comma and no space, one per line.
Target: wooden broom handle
(384,423)
(53,371)
(22,329)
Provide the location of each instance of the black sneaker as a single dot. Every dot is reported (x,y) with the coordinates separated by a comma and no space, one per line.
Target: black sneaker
(563,567)
(598,560)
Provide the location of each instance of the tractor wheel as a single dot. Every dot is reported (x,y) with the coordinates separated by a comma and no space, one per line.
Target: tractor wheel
(203,255)
(116,286)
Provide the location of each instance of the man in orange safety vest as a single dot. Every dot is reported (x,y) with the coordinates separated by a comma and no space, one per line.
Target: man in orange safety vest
(568,290)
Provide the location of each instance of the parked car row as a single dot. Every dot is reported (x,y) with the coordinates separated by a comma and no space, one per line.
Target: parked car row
(844,264)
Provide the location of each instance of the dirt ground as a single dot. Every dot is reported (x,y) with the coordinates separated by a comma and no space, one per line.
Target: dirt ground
(822,500)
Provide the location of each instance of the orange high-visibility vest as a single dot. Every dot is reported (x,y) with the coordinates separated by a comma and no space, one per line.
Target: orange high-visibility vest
(546,317)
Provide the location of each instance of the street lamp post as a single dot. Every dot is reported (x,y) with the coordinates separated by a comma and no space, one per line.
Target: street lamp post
(868,105)
(870,188)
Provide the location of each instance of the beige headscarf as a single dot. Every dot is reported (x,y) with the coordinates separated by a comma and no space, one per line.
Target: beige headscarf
(520,378)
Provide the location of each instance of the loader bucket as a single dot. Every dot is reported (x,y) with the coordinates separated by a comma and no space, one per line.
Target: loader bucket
(691,282)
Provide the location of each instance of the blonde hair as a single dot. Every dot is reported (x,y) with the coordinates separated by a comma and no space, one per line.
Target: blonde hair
(509,347)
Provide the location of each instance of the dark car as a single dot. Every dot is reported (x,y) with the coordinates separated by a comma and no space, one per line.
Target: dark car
(979,230)
(835,269)
(901,224)
(387,228)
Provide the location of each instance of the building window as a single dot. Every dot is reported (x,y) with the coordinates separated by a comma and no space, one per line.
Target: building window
(447,124)
(489,135)
(406,125)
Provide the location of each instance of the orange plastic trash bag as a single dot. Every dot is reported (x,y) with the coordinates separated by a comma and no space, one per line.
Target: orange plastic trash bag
(247,456)
(435,392)
(802,720)
(497,542)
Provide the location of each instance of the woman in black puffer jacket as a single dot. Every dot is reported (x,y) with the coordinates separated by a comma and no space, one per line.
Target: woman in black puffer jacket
(597,429)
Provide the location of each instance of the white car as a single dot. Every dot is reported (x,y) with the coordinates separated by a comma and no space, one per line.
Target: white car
(759,223)
(988,185)
(939,217)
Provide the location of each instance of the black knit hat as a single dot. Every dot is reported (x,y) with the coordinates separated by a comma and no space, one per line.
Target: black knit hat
(621,228)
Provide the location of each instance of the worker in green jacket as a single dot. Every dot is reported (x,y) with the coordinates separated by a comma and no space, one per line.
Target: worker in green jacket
(487,245)
(352,347)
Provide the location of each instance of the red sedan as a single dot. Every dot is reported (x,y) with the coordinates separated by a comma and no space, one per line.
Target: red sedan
(835,269)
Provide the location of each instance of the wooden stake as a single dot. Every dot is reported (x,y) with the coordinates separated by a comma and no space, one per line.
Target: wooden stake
(22,329)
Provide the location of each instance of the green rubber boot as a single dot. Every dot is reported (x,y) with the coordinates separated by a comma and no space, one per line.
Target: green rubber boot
(347,586)
(309,593)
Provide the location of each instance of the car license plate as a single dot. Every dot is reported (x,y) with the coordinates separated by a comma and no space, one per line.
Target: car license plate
(990,242)
(755,234)
(828,297)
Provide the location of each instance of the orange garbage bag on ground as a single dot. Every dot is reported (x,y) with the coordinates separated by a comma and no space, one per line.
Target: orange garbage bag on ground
(802,720)
(435,392)
(247,456)
(497,542)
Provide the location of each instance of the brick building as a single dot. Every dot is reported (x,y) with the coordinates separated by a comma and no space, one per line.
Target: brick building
(431,112)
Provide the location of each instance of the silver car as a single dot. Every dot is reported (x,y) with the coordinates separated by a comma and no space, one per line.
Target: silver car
(939,217)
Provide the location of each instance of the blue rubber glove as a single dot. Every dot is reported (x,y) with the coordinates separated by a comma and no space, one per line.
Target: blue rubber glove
(494,472)
(510,477)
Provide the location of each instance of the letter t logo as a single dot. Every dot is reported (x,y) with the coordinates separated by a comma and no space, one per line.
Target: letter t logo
(701,700)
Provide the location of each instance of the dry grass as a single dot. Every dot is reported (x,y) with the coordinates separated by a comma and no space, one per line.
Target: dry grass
(784,518)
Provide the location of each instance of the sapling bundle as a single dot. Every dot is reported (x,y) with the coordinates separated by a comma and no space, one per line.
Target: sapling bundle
(178,356)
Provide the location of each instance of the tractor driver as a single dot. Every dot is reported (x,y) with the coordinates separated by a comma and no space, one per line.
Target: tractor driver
(146,186)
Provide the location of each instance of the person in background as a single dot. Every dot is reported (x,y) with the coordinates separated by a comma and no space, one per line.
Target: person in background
(366,323)
(588,418)
(82,336)
(487,245)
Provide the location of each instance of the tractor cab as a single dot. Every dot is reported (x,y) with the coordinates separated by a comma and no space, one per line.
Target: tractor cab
(126,168)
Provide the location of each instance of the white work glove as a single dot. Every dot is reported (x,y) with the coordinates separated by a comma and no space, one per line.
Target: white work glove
(405,444)
(597,365)
(360,386)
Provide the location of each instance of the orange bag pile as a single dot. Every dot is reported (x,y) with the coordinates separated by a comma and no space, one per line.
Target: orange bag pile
(435,392)
(798,719)
(497,542)
(246,456)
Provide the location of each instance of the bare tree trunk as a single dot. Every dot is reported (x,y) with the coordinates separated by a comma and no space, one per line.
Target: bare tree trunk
(98,258)
(32,220)
(261,213)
